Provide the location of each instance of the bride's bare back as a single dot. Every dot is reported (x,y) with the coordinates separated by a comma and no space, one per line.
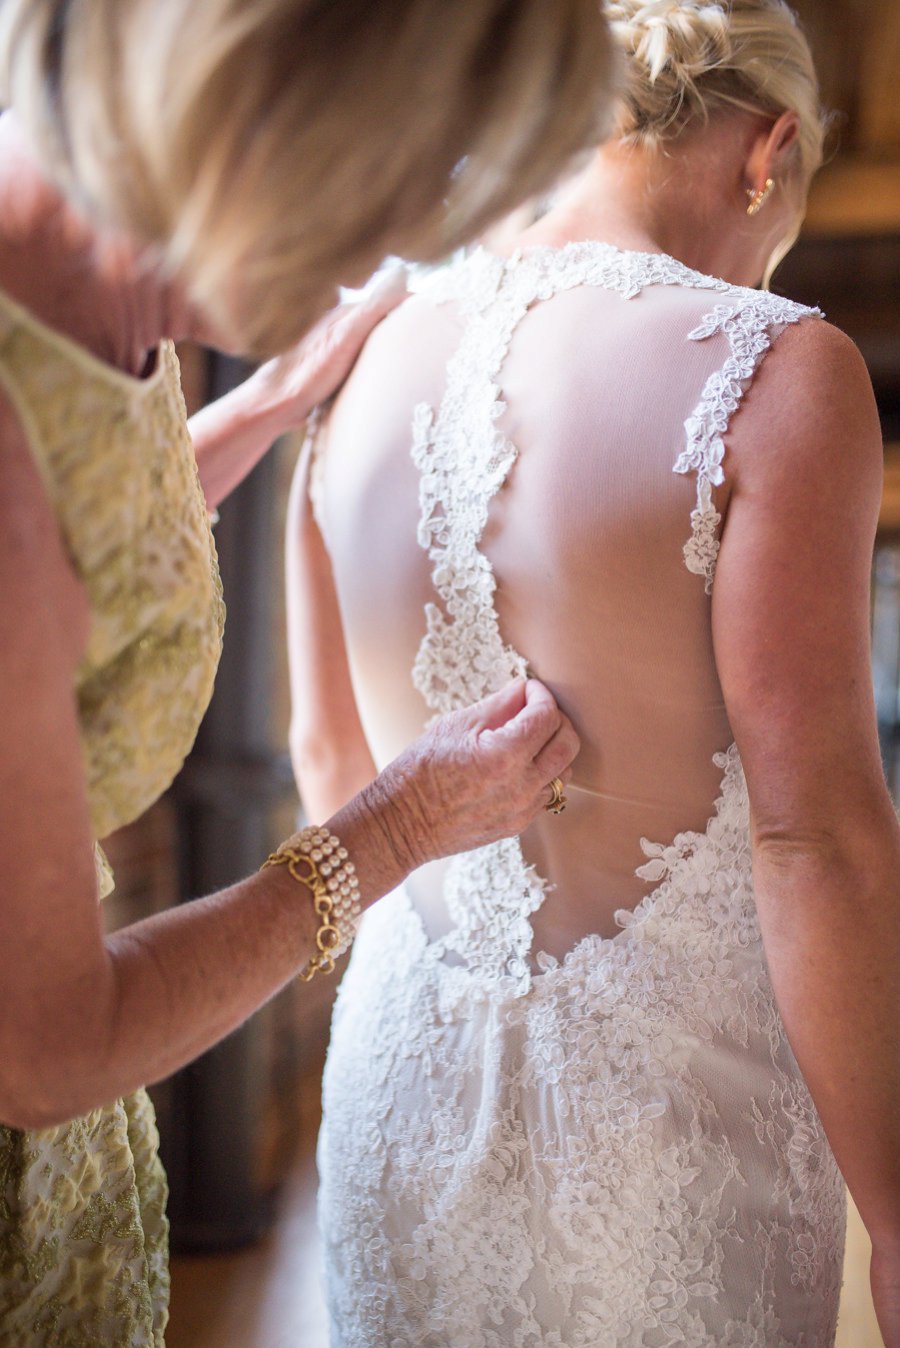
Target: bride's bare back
(585,530)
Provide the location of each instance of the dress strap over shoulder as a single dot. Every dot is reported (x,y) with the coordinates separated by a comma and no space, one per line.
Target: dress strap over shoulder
(750,324)
(749,320)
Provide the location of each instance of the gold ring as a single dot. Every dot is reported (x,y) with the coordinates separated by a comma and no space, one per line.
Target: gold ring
(558,801)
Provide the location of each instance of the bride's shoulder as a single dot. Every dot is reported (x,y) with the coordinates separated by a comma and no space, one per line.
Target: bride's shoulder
(465,281)
(811,409)
(814,365)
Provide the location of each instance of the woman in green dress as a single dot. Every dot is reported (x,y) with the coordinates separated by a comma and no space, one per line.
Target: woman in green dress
(231,163)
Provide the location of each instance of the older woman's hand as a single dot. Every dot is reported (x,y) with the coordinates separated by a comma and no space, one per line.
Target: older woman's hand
(232,434)
(314,370)
(476,775)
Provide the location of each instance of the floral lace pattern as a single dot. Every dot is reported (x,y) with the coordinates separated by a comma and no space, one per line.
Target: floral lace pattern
(463,460)
(747,325)
(616,1150)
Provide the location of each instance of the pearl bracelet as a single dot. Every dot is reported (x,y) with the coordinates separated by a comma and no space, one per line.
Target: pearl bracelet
(316,859)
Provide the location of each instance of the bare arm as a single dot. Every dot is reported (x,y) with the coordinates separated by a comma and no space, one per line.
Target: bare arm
(84,1017)
(791,629)
(231,435)
(329,751)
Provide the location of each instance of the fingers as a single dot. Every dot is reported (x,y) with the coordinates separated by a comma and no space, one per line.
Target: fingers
(483,773)
(538,734)
(391,287)
(537,722)
(357,319)
(493,712)
(556,757)
(538,694)
(325,356)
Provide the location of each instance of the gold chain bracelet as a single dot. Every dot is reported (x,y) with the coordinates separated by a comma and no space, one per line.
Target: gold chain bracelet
(316,859)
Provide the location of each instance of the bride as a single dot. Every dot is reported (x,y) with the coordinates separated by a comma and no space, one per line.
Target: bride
(593,1086)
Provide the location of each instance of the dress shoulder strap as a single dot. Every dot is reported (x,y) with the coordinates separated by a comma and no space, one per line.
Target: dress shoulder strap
(750,322)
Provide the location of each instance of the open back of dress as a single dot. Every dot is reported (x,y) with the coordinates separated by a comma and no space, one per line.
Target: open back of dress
(500,468)
(524,473)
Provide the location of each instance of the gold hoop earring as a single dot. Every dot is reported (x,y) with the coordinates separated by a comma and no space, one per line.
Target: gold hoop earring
(758,199)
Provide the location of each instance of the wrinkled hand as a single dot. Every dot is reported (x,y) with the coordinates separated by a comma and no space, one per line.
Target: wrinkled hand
(314,370)
(885,1283)
(478,774)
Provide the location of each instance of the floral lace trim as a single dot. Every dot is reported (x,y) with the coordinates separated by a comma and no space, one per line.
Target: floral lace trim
(682,873)
(619,1139)
(665,858)
(463,460)
(748,327)
(490,895)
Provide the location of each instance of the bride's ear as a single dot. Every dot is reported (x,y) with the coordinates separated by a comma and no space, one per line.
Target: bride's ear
(771,150)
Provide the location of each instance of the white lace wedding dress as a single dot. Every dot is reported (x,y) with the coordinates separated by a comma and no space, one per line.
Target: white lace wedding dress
(560,1108)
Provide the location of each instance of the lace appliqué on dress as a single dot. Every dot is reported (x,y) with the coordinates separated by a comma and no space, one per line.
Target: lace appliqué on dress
(748,326)
(463,460)
(568,1168)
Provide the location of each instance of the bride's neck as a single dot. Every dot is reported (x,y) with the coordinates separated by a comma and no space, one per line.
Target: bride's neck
(649,202)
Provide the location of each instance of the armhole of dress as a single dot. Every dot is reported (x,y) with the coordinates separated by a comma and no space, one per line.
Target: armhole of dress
(750,329)
(19,405)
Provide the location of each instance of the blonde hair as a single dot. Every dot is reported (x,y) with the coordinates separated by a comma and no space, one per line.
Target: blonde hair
(269,149)
(686,60)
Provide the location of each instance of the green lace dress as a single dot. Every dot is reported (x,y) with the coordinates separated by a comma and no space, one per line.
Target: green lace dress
(83,1248)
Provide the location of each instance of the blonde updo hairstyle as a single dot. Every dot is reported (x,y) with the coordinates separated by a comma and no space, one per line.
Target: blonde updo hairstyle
(269,149)
(686,61)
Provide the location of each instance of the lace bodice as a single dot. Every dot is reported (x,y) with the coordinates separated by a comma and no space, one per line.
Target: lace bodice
(557,1060)
(593,583)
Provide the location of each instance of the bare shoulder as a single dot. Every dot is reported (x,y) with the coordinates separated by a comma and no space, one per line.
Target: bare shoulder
(809,413)
(404,358)
(820,366)
(415,319)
